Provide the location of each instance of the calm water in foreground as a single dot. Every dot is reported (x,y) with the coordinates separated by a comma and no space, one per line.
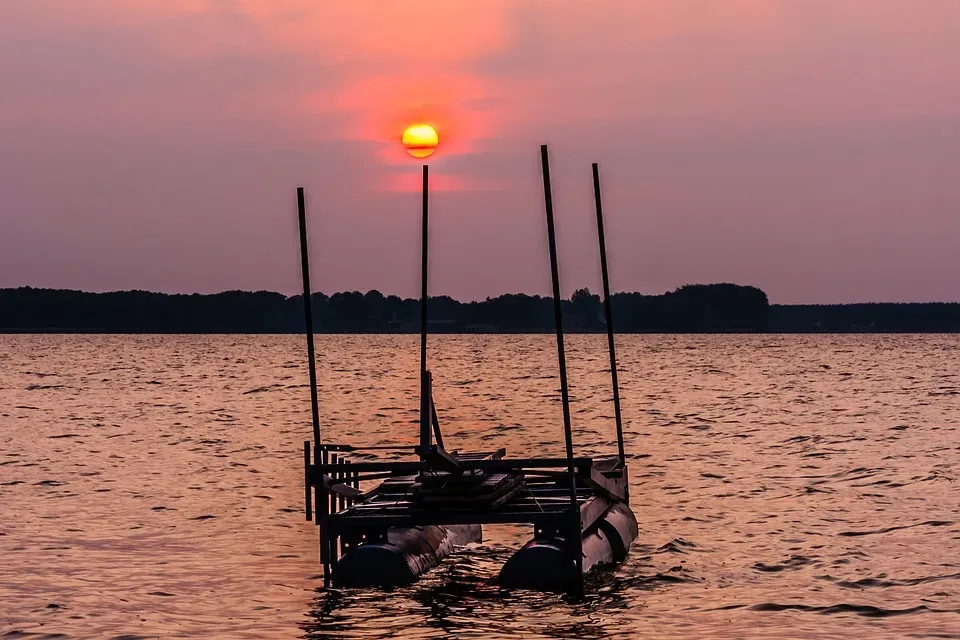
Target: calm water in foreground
(786,486)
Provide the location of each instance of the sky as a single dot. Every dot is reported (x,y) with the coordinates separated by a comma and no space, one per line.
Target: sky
(807,147)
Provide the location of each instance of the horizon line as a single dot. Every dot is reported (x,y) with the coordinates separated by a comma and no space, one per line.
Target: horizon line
(520,293)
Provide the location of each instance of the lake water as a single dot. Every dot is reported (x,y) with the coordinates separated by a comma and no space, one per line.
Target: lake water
(786,486)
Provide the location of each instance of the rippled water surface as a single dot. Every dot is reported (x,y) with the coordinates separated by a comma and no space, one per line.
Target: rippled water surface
(786,486)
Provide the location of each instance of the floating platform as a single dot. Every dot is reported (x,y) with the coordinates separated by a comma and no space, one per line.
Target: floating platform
(417,515)
(419,511)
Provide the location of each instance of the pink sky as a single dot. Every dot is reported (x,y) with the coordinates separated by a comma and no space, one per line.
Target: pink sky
(808,147)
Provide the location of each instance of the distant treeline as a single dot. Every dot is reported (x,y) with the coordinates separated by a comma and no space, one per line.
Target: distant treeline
(875,317)
(692,308)
(713,308)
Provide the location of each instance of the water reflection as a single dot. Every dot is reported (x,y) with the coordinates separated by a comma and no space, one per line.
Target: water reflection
(806,483)
(453,605)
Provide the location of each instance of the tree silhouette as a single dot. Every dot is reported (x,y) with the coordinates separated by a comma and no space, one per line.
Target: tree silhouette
(690,308)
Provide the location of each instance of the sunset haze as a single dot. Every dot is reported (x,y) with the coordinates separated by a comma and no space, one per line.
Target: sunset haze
(807,147)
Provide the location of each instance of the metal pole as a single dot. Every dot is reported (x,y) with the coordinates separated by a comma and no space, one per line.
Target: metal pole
(561,357)
(423,273)
(334,476)
(308,315)
(334,508)
(307,497)
(321,512)
(608,310)
(425,391)
(557,310)
(426,423)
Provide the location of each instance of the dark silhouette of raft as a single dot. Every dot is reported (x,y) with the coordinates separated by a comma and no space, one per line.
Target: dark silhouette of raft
(422,509)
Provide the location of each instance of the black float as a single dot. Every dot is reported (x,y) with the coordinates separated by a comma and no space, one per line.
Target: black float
(425,507)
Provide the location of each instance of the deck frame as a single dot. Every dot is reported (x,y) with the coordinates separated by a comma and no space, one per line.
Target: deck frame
(545,504)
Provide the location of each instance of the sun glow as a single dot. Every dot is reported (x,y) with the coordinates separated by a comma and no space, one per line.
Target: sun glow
(420,140)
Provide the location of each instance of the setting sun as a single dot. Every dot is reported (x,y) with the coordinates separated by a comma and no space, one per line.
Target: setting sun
(420,140)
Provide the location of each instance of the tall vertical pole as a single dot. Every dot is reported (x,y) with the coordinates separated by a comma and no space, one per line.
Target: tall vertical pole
(426,404)
(608,310)
(320,511)
(308,315)
(423,270)
(574,542)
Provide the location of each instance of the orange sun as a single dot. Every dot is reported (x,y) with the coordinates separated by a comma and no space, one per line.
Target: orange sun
(420,140)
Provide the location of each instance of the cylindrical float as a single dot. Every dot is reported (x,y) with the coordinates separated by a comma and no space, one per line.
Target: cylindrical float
(407,553)
(545,564)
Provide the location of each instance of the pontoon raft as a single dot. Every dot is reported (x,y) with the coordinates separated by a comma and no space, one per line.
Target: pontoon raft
(425,507)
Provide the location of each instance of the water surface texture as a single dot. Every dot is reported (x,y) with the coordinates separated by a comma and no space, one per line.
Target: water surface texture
(786,486)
